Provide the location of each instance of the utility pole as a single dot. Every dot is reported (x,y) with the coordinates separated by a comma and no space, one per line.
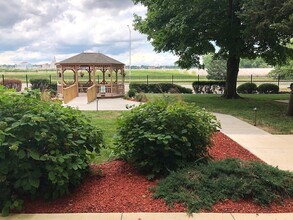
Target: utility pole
(129,53)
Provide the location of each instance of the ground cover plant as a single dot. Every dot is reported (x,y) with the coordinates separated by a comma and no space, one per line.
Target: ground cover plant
(160,136)
(200,186)
(44,149)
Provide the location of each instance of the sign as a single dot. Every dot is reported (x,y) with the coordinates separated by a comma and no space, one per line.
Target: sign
(103,89)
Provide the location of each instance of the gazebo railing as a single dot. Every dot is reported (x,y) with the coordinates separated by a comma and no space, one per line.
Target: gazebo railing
(70,93)
(91,93)
(107,89)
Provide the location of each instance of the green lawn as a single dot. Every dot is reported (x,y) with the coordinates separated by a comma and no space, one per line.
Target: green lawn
(271,115)
(106,121)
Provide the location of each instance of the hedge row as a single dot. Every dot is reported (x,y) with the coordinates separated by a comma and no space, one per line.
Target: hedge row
(159,88)
(208,86)
(12,84)
(266,88)
(249,88)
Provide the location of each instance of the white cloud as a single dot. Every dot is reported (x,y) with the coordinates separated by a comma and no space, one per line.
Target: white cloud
(38,30)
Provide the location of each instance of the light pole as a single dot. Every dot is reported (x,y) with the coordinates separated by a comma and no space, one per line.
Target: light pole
(129,53)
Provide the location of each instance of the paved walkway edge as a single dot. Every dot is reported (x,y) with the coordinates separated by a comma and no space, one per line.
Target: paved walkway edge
(151,216)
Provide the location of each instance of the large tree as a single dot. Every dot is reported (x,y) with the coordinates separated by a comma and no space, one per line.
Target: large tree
(232,29)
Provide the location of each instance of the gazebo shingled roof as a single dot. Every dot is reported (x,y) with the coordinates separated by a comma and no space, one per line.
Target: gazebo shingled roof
(90,58)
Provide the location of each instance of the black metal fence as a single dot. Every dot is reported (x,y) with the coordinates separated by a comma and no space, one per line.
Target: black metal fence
(150,79)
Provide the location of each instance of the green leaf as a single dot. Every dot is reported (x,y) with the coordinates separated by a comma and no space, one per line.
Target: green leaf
(35,182)
(35,155)
(5,211)
(80,141)
(21,154)
(61,159)
(52,176)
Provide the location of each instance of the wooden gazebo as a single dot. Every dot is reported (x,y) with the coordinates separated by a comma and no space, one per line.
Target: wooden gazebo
(104,76)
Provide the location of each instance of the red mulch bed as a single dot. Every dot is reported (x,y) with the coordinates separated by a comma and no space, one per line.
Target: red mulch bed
(122,189)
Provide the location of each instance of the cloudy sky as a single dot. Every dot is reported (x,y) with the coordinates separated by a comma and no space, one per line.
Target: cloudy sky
(37,30)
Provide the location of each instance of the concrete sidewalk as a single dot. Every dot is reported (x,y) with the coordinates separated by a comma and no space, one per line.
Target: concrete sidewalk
(104,104)
(276,150)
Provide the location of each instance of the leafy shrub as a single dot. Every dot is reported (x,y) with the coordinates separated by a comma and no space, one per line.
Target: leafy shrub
(131,93)
(161,136)
(201,186)
(53,87)
(141,97)
(41,84)
(247,88)
(208,86)
(12,84)
(268,88)
(44,149)
(160,88)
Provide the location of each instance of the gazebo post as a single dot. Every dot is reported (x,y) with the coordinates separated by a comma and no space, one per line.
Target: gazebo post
(111,71)
(104,80)
(76,78)
(116,72)
(94,74)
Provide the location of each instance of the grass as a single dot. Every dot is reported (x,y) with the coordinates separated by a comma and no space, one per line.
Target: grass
(271,115)
(106,121)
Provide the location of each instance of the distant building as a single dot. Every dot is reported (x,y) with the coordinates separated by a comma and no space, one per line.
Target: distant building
(23,65)
(53,63)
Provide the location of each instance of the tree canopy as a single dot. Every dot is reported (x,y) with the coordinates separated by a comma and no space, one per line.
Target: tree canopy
(232,29)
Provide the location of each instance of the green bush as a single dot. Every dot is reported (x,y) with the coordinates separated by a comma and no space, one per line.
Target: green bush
(41,84)
(161,136)
(200,186)
(268,88)
(131,93)
(248,88)
(160,88)
(208,86)
(44,149)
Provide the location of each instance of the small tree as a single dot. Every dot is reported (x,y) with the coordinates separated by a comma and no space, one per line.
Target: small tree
(217,69)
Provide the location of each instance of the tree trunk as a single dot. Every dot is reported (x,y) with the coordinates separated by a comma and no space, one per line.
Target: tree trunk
(290,108)
(232,75)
